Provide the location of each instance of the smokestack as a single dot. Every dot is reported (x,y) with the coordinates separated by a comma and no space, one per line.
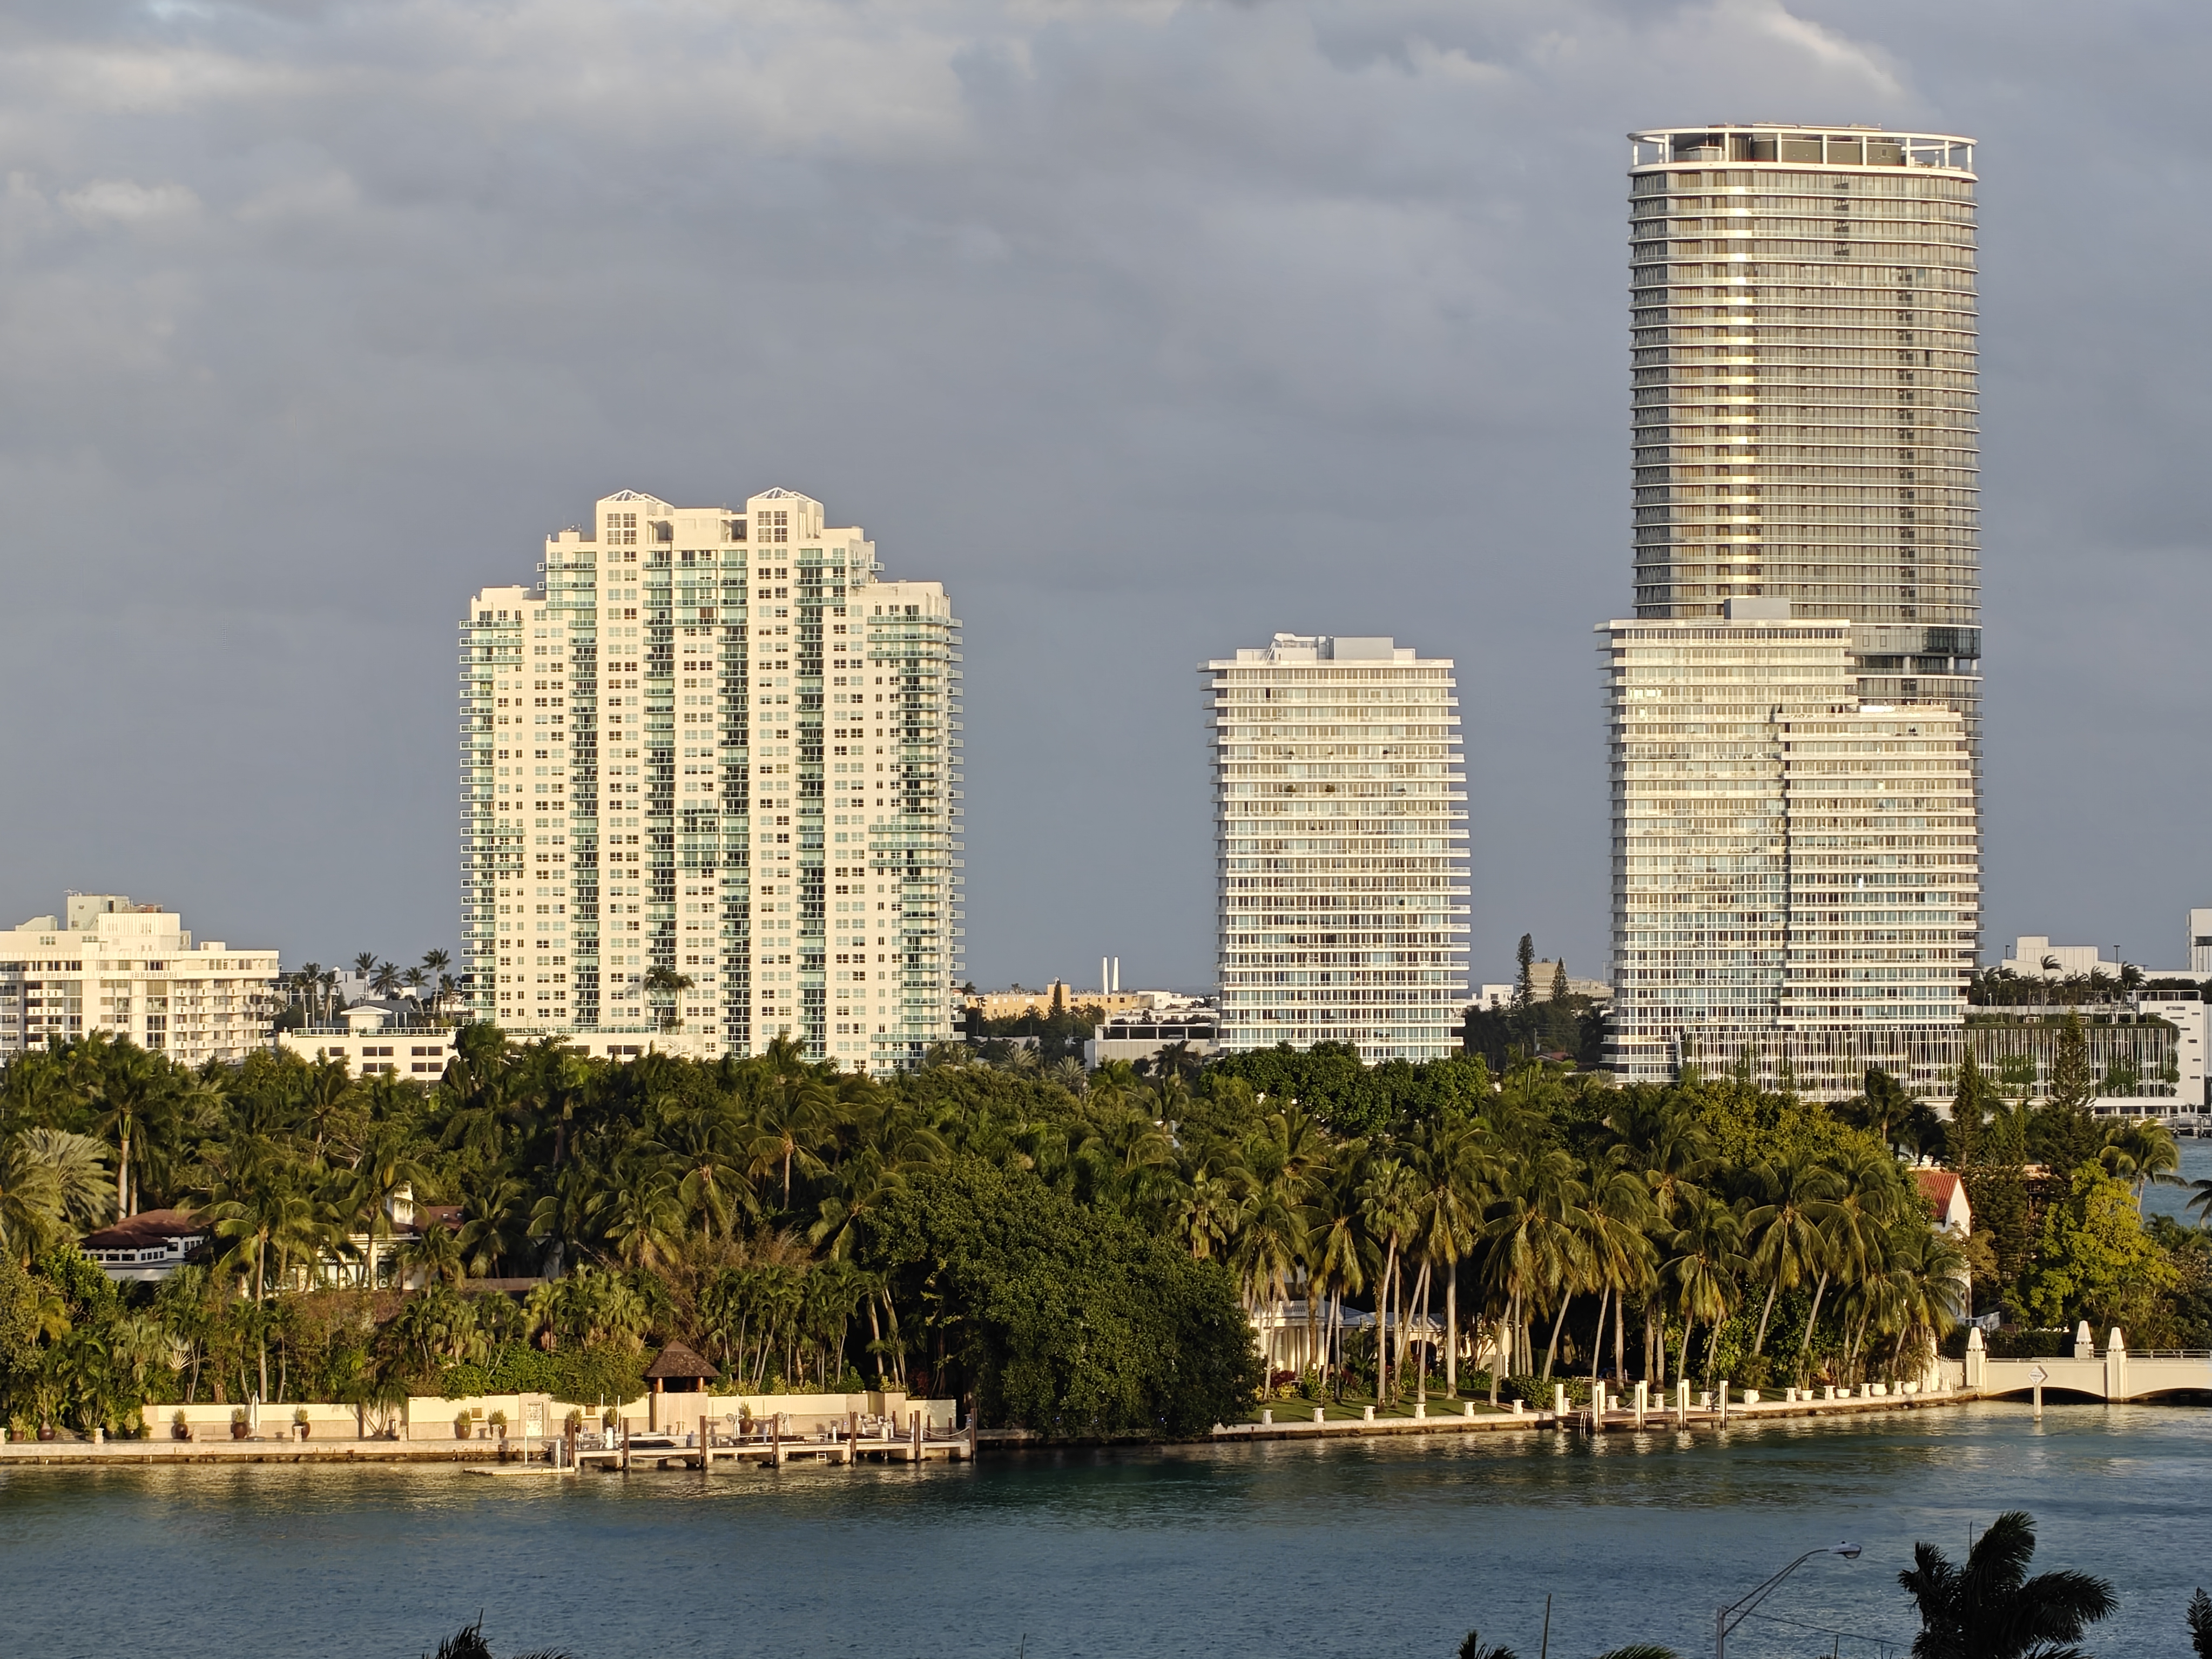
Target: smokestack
(1117,973)
(1105,979)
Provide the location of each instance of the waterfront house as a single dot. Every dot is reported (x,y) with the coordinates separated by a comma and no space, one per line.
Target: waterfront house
(147,1247)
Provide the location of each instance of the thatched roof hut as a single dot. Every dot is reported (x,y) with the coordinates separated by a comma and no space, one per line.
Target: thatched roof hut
(676,1370)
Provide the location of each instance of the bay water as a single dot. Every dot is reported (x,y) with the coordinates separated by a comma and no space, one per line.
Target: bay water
(1384,1547)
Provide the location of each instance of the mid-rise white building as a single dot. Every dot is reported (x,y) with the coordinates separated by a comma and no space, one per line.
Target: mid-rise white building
(134,971)
(2034,956)
(710,769)
(1339,847)
(1796,874)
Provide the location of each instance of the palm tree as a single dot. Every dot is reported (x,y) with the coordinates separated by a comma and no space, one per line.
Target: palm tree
(49,1180)
(438,1253)
(390,1166)
(1616,1226)
(1446,1162)
(384,981)
(364,965)
(1205,1220)
(1703,1270)
(2142,1153)
(669,983)
(1333,1242)
(1797,1196)
(1532,1250)
(1991,1609)
(1388,1199)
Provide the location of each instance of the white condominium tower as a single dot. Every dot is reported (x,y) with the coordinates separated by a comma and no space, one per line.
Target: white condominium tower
(1339,847)
(1804,341)
(1796,876)
(1795,708)
(712,742)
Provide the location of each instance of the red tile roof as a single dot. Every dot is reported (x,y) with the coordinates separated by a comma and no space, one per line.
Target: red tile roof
(147,1228)
(1936,1186)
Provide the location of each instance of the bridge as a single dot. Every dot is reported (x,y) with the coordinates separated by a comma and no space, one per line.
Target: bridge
(2115,1374)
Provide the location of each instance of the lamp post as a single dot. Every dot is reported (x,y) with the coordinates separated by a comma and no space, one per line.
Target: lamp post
(1728,1618)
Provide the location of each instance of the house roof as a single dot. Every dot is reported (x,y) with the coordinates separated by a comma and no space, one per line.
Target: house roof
(675,1360)
(146,1229)
(1946,1196)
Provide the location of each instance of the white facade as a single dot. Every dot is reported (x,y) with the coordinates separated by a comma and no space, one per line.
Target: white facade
(2034,956)
(1796,874)
(2186,1013)
(134,971)
(1339,847)
(712,742)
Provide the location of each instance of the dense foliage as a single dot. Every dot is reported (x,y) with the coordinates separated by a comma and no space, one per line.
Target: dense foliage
(1074,1253)
(2057,1198)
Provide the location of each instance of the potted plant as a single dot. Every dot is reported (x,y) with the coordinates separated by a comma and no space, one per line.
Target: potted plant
(300,1421)
(182,1425)
(462,1425)
(498,1421)
(574,1423)
(237,1423)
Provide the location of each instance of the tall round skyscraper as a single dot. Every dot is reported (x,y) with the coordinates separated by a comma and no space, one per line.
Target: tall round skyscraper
(1794,701)
(1804,318)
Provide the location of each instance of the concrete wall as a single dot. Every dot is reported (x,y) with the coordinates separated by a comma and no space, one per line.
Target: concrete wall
(428,1418)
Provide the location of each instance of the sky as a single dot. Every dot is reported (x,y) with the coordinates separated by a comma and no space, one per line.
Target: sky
(1150,329)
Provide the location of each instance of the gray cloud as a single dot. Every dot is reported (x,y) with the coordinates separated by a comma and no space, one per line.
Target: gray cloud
(1149,328)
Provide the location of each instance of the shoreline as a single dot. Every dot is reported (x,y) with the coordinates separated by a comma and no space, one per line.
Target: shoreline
(1616,1422)
(386,1453)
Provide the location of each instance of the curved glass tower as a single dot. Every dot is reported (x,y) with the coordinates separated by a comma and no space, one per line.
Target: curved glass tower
(1804,350)
(1794,703)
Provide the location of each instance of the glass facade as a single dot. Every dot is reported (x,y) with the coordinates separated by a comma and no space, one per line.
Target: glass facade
(1796,872)
(1804,319)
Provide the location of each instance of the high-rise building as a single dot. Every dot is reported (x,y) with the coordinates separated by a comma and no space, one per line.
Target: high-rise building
(1804,327)
(135,972)
(709,788)
(1796,872)
(1795,708)
(1339,847)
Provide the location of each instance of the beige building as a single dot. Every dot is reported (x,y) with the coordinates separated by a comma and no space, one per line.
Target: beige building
(1014,1003)
(132,970)
(1796,874)
(1805,318)
(715,743)
(1341,846)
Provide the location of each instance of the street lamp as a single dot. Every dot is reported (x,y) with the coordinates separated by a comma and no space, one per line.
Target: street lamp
(1728,1618)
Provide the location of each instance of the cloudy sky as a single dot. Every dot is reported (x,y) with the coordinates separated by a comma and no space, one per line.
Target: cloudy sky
(1150,329)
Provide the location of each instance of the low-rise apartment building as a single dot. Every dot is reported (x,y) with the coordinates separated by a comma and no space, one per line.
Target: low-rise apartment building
(135,971)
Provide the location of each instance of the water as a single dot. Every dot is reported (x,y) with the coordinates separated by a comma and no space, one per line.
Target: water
(2196,1165)
(1369,1547)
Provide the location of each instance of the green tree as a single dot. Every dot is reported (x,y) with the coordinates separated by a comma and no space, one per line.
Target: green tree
(2063,1131)
(1990,1609)
(2094,1259)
